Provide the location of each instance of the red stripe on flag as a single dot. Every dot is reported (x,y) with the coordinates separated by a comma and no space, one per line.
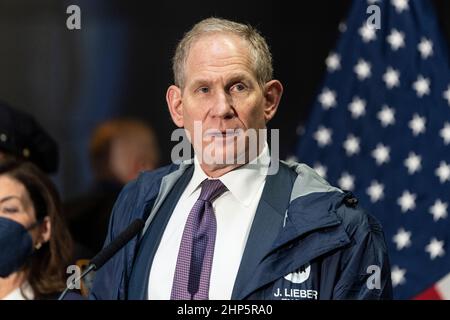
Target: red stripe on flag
(429,294)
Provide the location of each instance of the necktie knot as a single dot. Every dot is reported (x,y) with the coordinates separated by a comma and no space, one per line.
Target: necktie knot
(211,189)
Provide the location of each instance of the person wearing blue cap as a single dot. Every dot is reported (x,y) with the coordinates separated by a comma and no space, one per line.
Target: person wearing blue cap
(23,138)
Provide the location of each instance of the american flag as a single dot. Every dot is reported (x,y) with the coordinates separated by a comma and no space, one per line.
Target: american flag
(380,127)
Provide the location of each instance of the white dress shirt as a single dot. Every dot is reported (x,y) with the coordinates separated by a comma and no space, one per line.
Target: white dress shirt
(234,210)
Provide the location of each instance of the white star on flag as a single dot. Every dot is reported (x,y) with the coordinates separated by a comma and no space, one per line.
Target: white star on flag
(333,62)
(439,210)
(386,116)
(381,154)
(422,86)
(445,133)
(435,248)
(400,5)
(396,39)
(446,95)
(323,136)
(351,145)
(443,172)
(413,163)
(391,78)
(357,107)
(327,98)
(425,48)
(407,201)
(397,276)
(402,239)
(346,182)
(367,33)
(320,170)
(375,191)
(362,69)
(417,124)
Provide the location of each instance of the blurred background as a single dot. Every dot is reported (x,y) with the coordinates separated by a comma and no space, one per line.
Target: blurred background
(119,64)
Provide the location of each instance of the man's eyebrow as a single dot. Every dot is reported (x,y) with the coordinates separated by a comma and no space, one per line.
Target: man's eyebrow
(238,76)
(9,198)
(199,81)
(232,78)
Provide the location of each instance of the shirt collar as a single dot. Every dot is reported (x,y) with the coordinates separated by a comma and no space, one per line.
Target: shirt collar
(243,182)
(197,178)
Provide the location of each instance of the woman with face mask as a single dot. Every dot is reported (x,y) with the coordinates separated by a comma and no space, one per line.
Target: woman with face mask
(35,246)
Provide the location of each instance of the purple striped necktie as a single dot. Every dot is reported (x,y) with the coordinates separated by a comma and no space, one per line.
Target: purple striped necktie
(195,256)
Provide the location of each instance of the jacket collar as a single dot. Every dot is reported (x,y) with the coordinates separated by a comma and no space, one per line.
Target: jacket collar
(309,213)
(159,191)
(268,221)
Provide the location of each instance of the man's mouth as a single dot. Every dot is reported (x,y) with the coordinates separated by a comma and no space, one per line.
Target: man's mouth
(223,134)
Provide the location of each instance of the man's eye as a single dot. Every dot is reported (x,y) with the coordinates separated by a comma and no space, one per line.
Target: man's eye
(203,90)
(238,87)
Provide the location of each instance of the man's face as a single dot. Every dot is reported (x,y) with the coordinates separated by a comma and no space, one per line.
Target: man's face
(222,94)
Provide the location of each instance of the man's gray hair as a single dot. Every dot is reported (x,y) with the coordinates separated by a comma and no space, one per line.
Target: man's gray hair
(258,48)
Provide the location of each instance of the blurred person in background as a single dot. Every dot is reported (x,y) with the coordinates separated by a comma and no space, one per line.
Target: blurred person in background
(35,245)
(119,150)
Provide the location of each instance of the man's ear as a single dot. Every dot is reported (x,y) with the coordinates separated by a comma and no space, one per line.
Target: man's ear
(175,104)
(273,91)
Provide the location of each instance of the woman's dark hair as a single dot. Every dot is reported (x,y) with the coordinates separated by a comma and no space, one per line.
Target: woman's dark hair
(46,269)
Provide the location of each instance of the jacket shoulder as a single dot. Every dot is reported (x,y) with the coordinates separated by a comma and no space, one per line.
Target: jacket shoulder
(366,253)
(355,218)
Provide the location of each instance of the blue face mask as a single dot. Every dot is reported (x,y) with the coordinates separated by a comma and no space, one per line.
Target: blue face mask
(16,246)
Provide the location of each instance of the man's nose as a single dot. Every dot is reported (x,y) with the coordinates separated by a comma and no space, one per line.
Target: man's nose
(223,106)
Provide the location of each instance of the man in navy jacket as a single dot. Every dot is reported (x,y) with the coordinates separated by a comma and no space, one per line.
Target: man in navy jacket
(281,234)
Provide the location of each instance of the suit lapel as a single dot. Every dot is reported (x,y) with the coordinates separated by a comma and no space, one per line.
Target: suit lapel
(268,221)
